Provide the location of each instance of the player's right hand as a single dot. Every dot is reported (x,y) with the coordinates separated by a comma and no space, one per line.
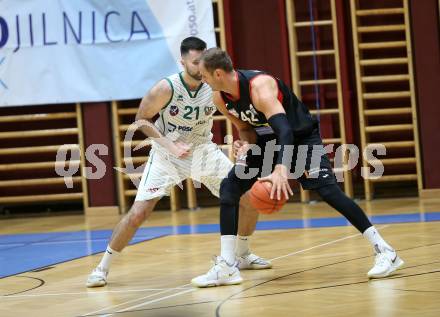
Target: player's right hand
(280,182)
(181,149)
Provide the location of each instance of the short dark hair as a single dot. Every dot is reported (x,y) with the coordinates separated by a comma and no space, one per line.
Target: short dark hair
(192,43)
(215,58)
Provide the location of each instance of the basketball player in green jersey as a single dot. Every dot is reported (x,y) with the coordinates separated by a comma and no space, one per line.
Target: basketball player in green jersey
(185,109)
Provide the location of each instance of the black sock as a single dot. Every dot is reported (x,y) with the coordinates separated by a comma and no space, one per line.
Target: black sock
(336,198)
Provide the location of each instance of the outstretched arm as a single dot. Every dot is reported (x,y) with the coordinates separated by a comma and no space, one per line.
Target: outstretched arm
(265,99)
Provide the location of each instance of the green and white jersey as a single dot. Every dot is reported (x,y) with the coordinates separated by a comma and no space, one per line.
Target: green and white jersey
(188,115)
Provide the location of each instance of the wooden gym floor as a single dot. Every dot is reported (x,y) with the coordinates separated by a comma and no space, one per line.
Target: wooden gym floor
(320,265)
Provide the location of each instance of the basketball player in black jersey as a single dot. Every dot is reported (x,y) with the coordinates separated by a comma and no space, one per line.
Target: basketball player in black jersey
(263,109)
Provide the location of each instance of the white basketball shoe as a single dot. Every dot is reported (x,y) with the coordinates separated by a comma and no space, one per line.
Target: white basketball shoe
(220,274)
(97,278)
(251,261)
(385,263)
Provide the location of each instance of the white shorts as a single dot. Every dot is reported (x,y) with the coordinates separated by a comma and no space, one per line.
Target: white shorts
(207,164)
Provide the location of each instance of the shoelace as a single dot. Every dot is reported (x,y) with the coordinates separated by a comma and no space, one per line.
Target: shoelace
(99,271)
(252,258)
(215,261)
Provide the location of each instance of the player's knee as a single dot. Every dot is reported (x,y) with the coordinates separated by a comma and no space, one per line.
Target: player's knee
(229,191)
(139,213)
(136,218)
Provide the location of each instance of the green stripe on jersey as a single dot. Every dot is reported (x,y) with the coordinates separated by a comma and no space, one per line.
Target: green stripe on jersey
(172,93)
(187,88)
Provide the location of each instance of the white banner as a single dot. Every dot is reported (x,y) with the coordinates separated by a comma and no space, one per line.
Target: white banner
(62,51)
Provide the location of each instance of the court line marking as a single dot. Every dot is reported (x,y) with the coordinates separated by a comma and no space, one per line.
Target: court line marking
(135,300)
(152,301)
(322,245)
(184,292)
(92,292)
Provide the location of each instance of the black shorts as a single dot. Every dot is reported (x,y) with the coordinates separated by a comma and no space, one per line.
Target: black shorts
(311,174)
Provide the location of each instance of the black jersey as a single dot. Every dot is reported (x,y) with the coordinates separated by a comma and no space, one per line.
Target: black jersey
(302,122)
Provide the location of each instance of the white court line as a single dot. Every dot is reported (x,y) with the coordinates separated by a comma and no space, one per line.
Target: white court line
(321,245)
(152,301)
(93,293)
(135,300)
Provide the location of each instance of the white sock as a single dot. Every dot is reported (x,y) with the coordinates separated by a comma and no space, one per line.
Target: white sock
(242,246)
(106,260)
(228,248)
(378,243)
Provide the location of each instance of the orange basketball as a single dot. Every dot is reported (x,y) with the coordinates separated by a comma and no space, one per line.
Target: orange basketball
(259,198)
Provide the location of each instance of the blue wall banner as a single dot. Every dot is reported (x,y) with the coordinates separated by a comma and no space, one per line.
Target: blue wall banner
(64,51)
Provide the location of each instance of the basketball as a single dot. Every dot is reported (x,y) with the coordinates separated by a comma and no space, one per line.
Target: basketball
(260,198)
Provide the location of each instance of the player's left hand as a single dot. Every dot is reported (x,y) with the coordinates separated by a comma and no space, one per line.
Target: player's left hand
(240,147)
(280,182)
(181,149)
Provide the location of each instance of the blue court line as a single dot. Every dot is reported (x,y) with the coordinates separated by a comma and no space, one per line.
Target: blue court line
(25,252)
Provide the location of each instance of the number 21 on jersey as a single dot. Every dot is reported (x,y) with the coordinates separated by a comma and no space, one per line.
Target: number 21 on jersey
(189,113)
